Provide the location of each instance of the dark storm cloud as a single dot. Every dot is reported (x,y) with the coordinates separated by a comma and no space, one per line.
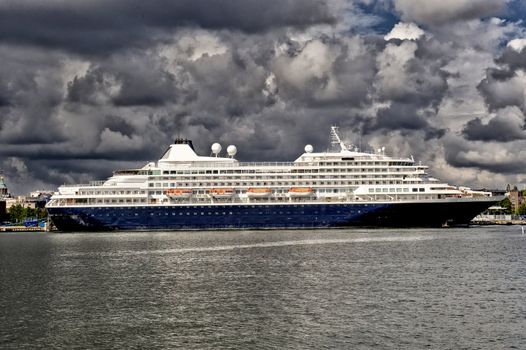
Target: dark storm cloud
(399,116)
(497,129)
(101,26)
(230,84)
(420,81)
(83,89)
(6,94)
(497,75)
(502,87)
(405,117)
(504,167)
(119,124)
(31,99)
(459,157)
(411,81)
(444,12)
(326,72)
(130,86)
(513,59)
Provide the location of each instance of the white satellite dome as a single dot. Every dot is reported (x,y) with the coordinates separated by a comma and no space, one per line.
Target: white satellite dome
(309,148)
(231,150)
(216,148)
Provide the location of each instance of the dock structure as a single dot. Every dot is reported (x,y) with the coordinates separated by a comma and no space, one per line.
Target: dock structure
(490,221)
(496,215)
(22,228)
(41,225)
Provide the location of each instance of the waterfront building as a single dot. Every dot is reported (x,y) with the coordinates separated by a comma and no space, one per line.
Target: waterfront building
(34,200)
(4,192)
(516,198)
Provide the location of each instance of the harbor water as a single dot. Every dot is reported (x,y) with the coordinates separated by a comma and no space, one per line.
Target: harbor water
(312,289)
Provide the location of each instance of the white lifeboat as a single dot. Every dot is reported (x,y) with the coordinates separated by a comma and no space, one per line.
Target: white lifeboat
(301,192)
(221,193)
(179,193)
(259,192)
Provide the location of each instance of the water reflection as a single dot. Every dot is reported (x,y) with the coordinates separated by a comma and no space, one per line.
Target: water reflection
(264,289)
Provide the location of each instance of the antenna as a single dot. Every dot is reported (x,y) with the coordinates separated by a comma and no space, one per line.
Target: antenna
(360,143)
(336,140)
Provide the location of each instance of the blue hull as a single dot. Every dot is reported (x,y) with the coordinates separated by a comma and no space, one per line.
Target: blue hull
(230,216)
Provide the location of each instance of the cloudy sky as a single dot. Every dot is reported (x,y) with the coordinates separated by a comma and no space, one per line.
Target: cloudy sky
(87,87)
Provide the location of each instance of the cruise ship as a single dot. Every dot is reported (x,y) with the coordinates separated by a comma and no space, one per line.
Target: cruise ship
(340,187)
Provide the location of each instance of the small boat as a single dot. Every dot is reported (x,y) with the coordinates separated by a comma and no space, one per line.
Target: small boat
(301,192)
(179,193)
(221,193)
(259,192)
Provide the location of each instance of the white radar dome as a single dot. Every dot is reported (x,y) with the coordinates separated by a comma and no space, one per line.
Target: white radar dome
(231,150)
(309,149)
(216,148)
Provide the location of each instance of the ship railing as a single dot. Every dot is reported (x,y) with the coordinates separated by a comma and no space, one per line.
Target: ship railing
(242,164)
(90,184)
(256,164)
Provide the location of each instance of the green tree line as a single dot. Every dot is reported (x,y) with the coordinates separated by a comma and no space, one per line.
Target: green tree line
(18,213)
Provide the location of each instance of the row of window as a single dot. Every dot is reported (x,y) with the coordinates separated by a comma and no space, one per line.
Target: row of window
(398,190)
(245,184)
(114,192)
(293,169)
(296,183)
(198,174)
(284,177)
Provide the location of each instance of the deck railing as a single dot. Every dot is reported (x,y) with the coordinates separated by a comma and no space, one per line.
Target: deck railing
(90,184)
(242,164)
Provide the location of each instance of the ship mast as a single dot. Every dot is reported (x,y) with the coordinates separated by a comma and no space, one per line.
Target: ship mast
(336,140)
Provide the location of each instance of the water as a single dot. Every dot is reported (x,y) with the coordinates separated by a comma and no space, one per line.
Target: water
(321,289)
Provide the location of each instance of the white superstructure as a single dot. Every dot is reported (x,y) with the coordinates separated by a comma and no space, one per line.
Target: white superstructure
(345,175)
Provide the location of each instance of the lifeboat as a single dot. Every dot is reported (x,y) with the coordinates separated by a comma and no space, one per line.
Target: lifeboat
(258,192)
(221,193)
(301,192)
(179,193)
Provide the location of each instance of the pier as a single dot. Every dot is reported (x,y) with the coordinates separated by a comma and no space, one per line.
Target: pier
(499,220)
(41,225)
(22,228)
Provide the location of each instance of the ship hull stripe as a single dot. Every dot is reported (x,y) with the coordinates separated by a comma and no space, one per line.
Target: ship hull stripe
(431,214)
